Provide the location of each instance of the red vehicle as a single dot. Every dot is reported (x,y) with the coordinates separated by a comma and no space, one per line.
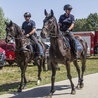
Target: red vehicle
(9,51)
(91,37)
(2,58)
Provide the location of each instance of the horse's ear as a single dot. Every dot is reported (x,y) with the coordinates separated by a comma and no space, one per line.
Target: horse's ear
(11,23)
(5,23)
(45,12)
(52,13)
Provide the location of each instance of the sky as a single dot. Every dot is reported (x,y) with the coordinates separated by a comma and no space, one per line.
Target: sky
(15,9)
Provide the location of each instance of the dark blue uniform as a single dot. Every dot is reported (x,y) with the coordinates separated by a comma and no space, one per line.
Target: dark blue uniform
(65,24)
(28,27)
(66,21)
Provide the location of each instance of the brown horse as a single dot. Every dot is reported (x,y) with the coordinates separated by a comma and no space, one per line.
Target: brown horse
(23,52)
(60,52)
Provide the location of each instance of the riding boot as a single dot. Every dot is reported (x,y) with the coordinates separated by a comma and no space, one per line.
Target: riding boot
(74,48)
(41,53)
(31,47)
(73,44)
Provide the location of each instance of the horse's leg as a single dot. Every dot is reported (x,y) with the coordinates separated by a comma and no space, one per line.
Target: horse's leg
(53,76)
(39,71)
(23,78)
(78,70)
(83,70)
(70,77)
(43,64)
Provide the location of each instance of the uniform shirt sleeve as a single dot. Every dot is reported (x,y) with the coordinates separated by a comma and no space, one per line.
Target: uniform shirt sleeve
(33,24)
(60,20)
(23,26)
(73,19)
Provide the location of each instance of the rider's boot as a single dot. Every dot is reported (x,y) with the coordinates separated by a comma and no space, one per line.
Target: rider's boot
(41,53)
(74,49)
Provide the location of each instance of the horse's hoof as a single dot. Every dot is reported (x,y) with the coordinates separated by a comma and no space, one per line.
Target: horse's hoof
(38,82)
(19,90)
(78,87)
(24,86)
(52,91)
(50,95)
(44,70)
(73,92)
(81,85)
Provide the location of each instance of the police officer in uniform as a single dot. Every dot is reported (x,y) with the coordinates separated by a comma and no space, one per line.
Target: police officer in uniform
(66,24)
(30,28)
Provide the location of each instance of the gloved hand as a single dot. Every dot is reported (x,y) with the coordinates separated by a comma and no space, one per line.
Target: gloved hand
(27,35)
(67,31)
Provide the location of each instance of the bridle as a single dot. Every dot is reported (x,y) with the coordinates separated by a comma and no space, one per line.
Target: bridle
(51,34)
(14,36)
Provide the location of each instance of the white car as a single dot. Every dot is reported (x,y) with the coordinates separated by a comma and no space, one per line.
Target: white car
(47,48)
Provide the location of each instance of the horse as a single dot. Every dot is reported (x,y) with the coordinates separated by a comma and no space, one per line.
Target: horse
(60,51)
(23,53)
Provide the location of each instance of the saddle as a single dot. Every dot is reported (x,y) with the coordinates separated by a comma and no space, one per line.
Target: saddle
(35,47)
(63,47)
(69,44)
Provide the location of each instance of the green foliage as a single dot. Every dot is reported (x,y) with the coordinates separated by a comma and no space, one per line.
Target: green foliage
(2,24)
(88,24)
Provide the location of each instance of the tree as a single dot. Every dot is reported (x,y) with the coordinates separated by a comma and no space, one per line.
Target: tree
(92,21)
(87,24)
(79,24)
(2,24)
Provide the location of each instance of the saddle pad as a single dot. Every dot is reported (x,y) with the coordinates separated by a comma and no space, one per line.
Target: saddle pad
(67,41)
(78,45)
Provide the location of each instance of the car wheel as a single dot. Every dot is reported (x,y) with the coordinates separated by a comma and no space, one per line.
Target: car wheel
(1,67)
(11,62)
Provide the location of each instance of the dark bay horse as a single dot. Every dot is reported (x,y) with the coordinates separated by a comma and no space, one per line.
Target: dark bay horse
(23,56)
(61,53)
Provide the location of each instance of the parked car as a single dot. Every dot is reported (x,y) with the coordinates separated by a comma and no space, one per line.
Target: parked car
(47,55)
(47,48)
(2,57)
(9,51)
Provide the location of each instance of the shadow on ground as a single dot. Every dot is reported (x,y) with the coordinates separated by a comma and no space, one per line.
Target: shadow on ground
(12,86)
(6,87)
(40,92)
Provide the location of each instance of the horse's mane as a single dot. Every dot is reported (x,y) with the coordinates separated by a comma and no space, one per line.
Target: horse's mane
(18,28)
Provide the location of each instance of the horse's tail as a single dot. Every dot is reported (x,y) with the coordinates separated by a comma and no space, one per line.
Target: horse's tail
(85,49)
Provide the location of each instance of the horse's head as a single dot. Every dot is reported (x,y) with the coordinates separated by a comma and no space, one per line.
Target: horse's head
(10,31)
(49,24)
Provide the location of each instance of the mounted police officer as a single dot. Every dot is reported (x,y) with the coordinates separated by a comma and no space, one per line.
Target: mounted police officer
(29,27)
(66,25)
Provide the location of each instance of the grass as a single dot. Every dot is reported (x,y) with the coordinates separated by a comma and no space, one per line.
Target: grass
(10,75)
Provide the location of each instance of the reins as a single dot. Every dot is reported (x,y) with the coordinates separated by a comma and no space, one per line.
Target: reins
(50,31)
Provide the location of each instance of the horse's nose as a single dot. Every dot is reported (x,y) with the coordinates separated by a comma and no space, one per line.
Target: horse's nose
(6,40)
